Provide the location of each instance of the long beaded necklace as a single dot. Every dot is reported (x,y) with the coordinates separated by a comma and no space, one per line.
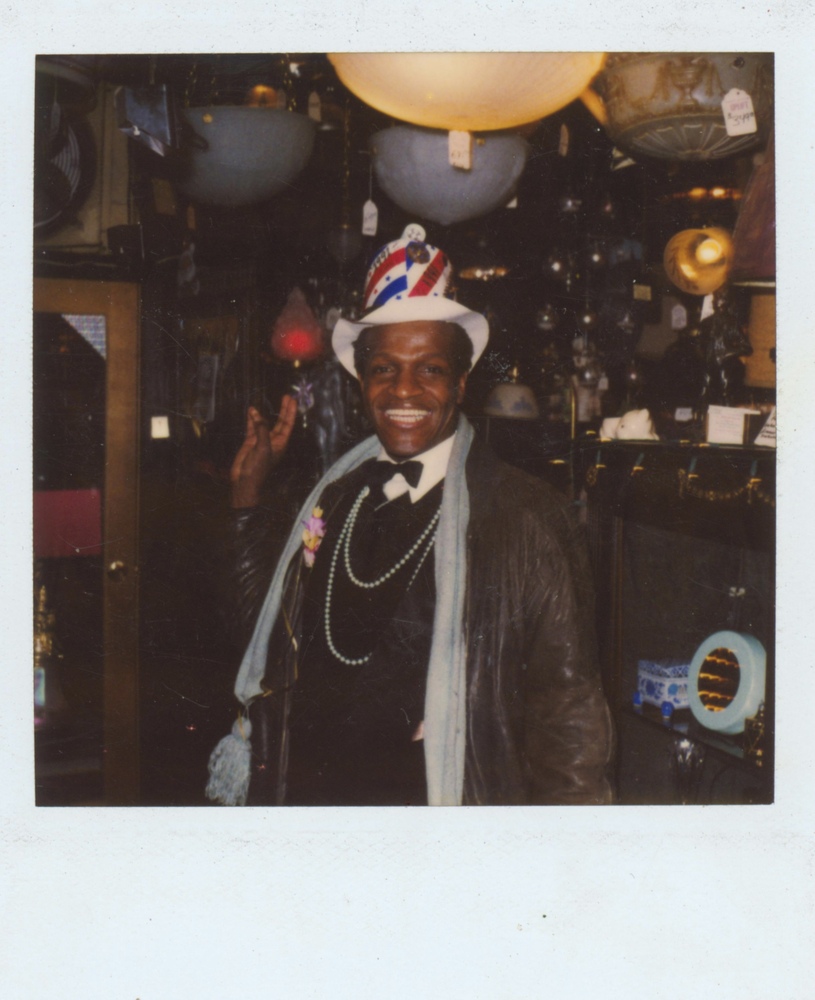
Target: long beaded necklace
(344,545)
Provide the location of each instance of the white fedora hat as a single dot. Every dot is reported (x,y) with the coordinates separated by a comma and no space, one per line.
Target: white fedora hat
(407,281)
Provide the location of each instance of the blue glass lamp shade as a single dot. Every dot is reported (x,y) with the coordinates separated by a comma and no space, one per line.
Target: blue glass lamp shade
(251,153)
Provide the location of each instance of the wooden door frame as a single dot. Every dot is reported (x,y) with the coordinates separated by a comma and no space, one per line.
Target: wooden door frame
(119,303)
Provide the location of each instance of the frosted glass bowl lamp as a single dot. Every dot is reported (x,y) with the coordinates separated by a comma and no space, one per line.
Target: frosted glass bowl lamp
(412,167)
(471,91)
(248,154)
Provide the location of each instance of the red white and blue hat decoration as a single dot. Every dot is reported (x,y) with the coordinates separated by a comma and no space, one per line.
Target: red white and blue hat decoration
(408,280)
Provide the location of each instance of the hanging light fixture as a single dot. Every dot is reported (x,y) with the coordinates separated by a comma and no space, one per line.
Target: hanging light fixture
(412,167)
(512,400)
(699,260)
(245,155)
(547,317)
(471,91)
(669,105)
(297,335)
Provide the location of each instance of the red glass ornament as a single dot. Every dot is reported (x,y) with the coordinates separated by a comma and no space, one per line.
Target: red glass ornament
(297,333)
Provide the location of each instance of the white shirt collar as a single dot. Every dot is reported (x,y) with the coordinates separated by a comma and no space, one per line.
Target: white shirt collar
(434,468)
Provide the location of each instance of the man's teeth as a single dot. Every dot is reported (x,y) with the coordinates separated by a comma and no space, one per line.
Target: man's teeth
(405,415)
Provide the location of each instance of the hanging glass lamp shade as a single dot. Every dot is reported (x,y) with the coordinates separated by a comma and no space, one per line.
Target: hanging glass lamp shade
(699,260)
(412,168)
(297,335)
(250,154)
(669,105)
(472,91)
(512,400)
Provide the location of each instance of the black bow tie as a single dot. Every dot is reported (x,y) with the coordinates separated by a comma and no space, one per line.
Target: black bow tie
(381,472)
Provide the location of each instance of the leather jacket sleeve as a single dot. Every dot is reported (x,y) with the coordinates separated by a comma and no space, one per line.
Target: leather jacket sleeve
(568,731)
(255,539)
(540,728)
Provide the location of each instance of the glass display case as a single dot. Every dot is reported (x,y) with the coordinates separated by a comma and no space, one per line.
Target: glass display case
(682,538)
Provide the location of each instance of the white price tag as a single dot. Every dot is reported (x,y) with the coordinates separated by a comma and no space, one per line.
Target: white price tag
(370,218)
(725,424)
(460,149)
(683,414)
(159,427)
(679,317)
(768,432)
(707,307)
(739,115)
(315,108)
(563,145)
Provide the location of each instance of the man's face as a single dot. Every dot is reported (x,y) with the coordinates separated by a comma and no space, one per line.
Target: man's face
(410,392)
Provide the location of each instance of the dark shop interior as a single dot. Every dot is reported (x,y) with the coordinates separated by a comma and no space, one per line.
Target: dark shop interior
(201,224)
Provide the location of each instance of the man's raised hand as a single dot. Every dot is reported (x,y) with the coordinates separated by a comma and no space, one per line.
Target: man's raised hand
(262,449)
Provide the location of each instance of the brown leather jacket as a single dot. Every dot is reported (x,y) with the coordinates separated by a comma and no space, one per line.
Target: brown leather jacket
(539,729)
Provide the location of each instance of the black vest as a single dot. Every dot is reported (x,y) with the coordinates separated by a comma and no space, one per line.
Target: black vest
(352,725)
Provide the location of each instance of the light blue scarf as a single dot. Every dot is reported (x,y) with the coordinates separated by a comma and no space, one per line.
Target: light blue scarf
(446,693)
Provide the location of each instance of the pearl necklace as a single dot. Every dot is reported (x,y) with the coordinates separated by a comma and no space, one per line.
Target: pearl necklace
(344,544)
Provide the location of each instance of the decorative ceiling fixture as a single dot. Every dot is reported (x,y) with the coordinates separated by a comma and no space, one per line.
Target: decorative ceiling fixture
(699,260)
(670,105)
(245,155)
(470,91)
(412,167)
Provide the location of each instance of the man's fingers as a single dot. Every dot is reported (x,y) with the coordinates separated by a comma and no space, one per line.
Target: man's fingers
(280,433)
(288,411)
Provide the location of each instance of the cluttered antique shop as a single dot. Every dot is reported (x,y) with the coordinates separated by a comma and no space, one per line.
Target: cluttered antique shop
(203,222)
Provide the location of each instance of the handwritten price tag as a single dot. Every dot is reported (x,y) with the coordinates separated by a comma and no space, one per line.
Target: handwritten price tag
(563,144)
(370,218)
(460,150)
(739,114)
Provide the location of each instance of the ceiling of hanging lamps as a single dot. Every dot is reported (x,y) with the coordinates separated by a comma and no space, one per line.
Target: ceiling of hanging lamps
(470,91)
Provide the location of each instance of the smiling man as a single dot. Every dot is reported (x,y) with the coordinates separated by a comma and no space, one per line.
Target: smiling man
(427,634)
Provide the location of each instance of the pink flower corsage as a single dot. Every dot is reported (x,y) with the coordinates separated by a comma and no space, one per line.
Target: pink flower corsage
(313,533)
